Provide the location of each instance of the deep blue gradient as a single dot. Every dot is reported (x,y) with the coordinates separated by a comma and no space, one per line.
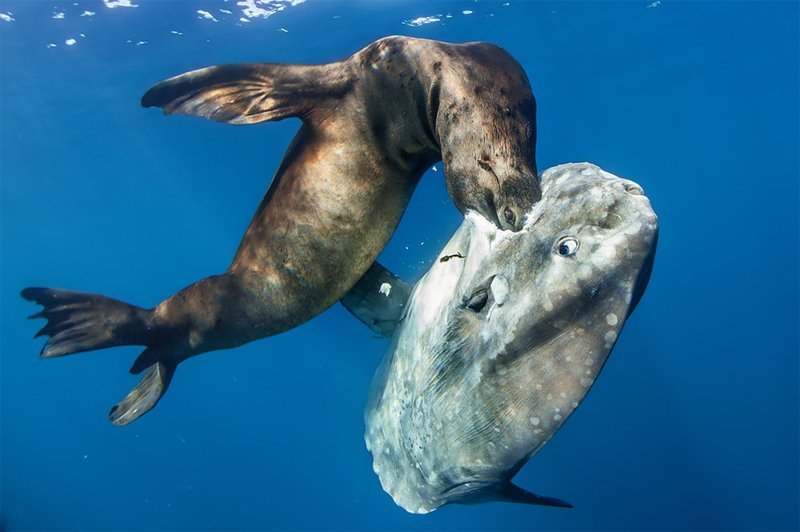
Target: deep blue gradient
(692,425)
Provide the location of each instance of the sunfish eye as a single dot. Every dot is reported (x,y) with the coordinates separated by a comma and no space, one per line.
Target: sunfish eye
(509,215)
(567,246)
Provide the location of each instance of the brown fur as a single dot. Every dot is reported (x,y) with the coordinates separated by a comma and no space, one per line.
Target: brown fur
(372,125)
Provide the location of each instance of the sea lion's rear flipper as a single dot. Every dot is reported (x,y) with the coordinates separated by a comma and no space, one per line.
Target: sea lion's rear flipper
(378,299)
(79,321)
(145,395)
(249,93)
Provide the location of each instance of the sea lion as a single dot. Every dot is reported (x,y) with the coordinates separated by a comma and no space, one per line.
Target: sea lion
(501,339)
(372,125)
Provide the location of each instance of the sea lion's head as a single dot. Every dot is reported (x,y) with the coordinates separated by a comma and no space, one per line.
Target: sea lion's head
(499,347)
(486,126)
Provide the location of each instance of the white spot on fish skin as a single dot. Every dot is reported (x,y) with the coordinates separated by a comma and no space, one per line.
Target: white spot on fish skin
(386,289)
(606,252)
(633,228)
(568,358)
(549,396)
(557,417)
(574,404)
(499,289)
(586,382)
(611,336)
(547,305)
(589,361)
(612,319)
(535,421)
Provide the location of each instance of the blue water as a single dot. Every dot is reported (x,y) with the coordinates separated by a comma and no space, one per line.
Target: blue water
(692,425)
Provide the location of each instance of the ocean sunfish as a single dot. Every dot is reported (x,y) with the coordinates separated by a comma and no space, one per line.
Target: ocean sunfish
(501,339)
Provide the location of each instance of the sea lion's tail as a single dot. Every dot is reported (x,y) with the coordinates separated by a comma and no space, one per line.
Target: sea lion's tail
(79,322)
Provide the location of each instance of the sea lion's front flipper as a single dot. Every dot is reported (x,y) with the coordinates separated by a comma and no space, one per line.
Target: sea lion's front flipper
(249,93)
(378,299)
(145,395)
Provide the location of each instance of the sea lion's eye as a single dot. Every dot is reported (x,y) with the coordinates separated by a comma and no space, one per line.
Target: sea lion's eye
(509,215)
(567,246)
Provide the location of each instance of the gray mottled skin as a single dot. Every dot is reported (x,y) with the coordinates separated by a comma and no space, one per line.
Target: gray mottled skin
(372,124)
(497,349)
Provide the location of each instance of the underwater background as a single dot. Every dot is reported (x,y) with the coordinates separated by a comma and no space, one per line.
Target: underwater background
(693,424)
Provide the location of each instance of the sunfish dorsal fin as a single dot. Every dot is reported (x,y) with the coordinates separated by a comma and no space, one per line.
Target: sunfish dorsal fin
(249,93)
(510,492)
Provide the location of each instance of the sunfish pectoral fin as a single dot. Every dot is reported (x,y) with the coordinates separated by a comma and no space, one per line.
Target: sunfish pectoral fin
(378,299)
(249,93)
(510,492)
(144,396)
